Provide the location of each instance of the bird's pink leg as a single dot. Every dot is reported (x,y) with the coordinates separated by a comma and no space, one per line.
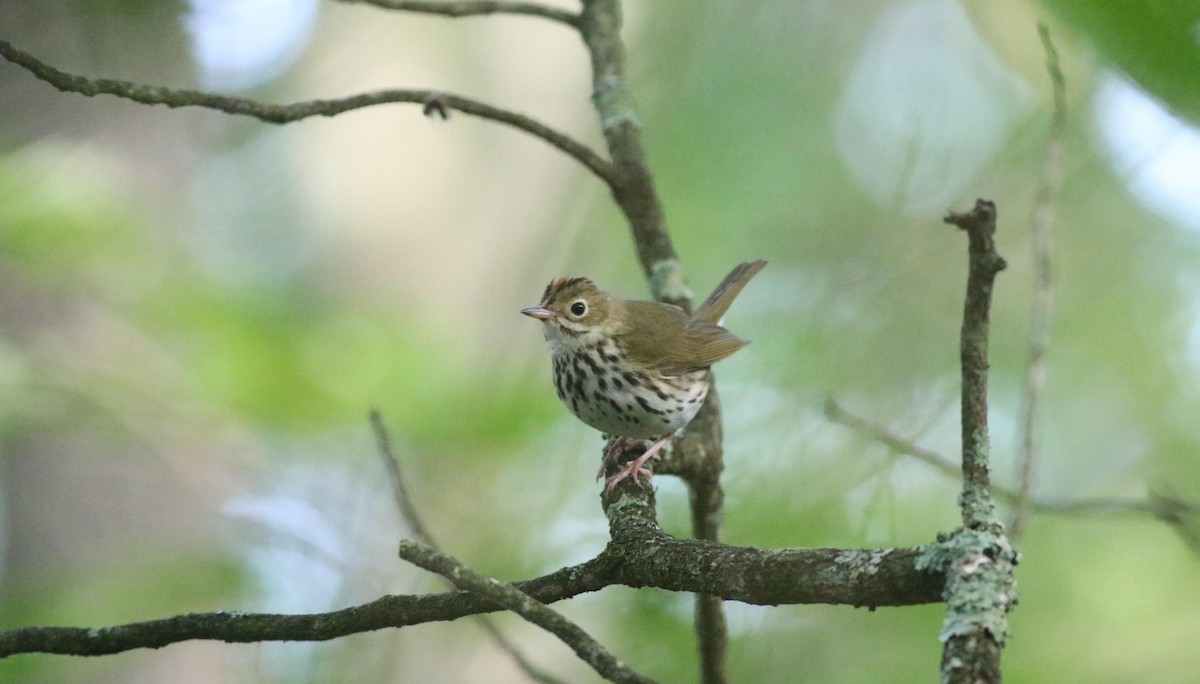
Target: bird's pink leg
(610,454)
(636,467)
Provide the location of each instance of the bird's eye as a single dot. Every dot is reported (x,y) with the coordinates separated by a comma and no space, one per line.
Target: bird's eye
(579,308)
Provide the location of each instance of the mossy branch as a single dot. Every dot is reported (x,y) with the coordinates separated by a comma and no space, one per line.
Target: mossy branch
(976,559)
(638,555)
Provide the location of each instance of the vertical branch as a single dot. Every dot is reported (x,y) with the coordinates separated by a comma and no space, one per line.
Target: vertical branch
(697,457)
(1043,295)
(633,185)
(978,509)
(706,500)
(977,559)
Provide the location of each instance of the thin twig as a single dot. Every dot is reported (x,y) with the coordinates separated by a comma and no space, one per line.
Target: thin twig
(411,517)
(836,413)
(472,8)
(1171,510)
(431,100)
(508,596)
(1041,315)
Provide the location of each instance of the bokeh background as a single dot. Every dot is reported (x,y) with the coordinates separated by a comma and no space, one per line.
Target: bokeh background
(197,313)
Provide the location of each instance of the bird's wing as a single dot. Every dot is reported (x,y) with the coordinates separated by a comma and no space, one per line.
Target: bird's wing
(675,344)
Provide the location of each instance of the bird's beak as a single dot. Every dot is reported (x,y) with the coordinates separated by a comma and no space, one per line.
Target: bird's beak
(539,313)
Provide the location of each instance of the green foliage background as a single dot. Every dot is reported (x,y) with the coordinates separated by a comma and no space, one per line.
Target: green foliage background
(196,314)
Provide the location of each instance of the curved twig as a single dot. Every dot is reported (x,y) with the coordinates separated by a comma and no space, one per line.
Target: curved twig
(1042,311)
(238,627)
(1171,510)
(431,100)
(474,8)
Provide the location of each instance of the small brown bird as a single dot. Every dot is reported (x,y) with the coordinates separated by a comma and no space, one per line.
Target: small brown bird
(634,369)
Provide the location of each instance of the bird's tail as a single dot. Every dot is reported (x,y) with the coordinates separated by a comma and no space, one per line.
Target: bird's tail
(718,302)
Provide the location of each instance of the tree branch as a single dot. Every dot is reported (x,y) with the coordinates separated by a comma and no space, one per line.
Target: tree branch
(855,577)
(645,556)
(977,558)
(411,517)
(639,555)
(837,414)
(633,189)
(984,263)
(237,627)
(706,503)
(473,8)
(507,596)
(697,456)
(431,100)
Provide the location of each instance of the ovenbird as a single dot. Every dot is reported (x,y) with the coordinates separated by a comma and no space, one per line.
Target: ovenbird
(635,369)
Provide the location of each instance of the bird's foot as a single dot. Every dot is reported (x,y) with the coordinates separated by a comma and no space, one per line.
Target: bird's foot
(635,468)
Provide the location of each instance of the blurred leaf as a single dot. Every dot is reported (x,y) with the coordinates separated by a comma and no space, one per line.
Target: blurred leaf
(1155,43)
(64,217)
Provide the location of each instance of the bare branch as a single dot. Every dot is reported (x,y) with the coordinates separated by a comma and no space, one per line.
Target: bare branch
(836,413)
(408,512)
(1166,508)
(410,516)
(1171,510)
(1042,312)
(237,627)
(507,596)
(474,8)
(431,100)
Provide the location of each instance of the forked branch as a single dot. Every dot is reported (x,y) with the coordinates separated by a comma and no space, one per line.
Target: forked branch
(508,596)
(411,518)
